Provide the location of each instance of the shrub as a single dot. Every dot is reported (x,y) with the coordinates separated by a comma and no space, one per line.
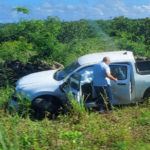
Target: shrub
(144,120)
(16,50)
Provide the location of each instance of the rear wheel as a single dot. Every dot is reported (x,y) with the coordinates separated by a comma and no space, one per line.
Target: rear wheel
(146,97)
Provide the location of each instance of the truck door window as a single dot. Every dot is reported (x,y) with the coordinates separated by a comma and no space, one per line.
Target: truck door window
(86,82)
(119,72)
(86,74)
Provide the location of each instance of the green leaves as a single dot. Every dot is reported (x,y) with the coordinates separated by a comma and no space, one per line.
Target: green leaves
(16,50)
(51,39)
(70,135)
(75,30)
(144,119)
(22,9)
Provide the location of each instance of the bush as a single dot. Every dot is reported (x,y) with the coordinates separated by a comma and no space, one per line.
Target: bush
(16,50)
(77,48)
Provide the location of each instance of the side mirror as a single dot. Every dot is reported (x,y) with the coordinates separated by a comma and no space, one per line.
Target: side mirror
(63,86)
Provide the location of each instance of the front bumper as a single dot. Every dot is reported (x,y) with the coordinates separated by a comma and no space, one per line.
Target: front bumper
(13,103)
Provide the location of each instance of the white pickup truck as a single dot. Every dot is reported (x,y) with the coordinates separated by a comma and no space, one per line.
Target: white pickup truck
(48,90)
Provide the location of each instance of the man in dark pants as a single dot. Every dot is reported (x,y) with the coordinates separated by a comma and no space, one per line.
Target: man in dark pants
(101,82)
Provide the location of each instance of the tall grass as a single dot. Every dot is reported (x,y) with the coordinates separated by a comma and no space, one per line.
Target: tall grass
(127,128)
(75,107)
(6,142)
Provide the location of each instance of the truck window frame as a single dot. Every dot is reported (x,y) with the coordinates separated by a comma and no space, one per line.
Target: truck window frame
(147,72)
(125,74)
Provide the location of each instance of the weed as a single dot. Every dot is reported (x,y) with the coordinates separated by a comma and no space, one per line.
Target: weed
(124,145)
(76,109)
(144,119)
(127,128)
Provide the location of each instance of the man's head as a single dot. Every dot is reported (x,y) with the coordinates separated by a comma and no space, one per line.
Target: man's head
(106,60)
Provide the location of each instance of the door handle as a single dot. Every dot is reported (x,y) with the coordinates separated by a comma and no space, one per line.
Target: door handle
(121,83)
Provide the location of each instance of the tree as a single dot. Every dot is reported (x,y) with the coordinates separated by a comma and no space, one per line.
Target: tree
(22,9)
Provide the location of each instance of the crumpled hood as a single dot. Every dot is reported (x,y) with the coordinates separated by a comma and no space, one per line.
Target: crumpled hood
(37,78)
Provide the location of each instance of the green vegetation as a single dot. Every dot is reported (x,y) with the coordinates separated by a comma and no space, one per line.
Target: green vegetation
(22,9)
(52,39)
(127,128)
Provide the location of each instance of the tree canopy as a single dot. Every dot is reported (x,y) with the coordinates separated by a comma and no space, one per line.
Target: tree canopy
(63,41)
(22,9)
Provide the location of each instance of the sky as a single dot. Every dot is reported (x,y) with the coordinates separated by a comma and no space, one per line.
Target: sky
(70,10)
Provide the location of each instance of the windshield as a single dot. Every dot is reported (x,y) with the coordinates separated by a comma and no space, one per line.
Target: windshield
(61,74)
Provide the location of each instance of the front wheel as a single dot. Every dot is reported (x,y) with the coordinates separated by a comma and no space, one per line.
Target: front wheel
(46,103)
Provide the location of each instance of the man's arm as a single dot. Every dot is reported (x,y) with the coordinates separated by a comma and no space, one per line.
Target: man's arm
(111,77)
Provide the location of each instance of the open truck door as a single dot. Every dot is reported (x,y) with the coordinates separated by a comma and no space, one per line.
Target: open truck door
(121,89)
(73,86)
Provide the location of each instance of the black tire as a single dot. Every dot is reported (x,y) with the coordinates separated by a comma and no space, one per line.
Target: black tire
(146,97)
(46,103)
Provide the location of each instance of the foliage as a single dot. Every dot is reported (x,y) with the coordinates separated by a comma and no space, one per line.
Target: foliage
(76,108)
(126,128)
(7,76)
(52,39)
(76,30)
(16,50)
(21,9)
(5,94)
(9,32)
(144,119)
(77,48)
(72,137)
(139,49)
(24,104)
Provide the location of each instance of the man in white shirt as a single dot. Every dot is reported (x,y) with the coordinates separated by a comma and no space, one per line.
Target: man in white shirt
(101,82)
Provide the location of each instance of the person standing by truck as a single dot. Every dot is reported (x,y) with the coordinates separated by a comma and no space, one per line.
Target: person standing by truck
(101,82)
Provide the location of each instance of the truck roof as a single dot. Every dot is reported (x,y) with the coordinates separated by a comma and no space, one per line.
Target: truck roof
(115,56)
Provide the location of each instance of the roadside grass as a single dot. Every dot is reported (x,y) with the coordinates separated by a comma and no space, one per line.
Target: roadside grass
(78,129)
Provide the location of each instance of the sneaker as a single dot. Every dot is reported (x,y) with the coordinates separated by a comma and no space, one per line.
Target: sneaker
(101,112)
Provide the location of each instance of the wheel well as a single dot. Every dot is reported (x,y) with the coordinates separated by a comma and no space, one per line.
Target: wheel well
(146,92)
(55,99)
